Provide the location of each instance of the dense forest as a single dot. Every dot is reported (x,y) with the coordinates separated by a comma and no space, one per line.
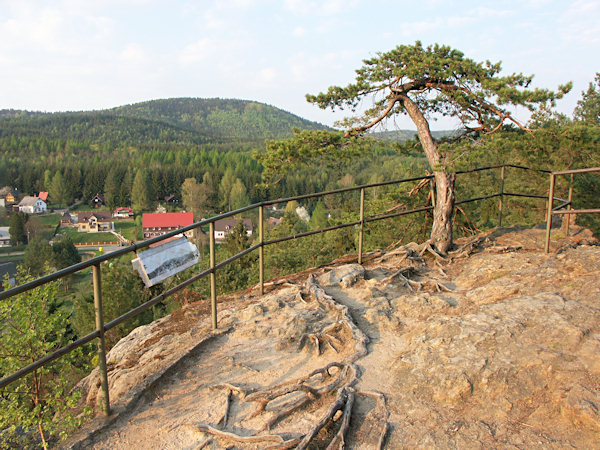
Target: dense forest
(173,139)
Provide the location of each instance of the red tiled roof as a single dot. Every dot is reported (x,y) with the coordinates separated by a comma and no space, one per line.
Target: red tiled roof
(163,220)
(43,196)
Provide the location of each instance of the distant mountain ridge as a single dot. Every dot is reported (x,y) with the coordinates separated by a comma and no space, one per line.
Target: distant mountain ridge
(192,120)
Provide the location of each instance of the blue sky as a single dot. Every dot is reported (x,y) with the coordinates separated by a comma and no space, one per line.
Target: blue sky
(81,55)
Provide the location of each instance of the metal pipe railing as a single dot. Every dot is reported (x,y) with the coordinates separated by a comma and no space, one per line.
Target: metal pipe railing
(94,263)
(558,210)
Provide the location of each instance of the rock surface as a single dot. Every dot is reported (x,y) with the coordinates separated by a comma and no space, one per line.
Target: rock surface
(496,346)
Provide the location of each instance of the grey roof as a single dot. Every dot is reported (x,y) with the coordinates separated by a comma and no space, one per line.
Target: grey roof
(28,200)
(228,224)
(4,233)
(7,268)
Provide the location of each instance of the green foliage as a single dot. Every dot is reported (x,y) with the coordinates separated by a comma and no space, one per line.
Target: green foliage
(193,196)
(65,253)
(34,325)
(238,197)
(16,229)
(588,108)
(439,80)
(141,191)
(244,271)
(38,255)
(122,290)
(309,147)
(59,190)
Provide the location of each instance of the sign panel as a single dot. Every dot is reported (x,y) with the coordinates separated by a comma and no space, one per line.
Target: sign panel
(159,263)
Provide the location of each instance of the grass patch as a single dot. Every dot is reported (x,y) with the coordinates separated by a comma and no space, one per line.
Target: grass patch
(127,229)
(81,238)
(14,248)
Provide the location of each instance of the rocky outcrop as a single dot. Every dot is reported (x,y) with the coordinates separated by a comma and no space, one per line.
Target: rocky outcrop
(495,346)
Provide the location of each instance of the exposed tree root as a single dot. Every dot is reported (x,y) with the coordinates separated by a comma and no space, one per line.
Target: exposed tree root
(413,286)
(339,439)
(255,439)
(381,414)
(360,339)
(338,404)
(225,416)
(280,401)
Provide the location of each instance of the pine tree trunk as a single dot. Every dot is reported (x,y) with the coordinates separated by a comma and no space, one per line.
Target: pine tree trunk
(441,231)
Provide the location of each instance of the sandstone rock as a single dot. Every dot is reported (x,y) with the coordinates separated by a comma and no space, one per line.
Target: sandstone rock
(345,276)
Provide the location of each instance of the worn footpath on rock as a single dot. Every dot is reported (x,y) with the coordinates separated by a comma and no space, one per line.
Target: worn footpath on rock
(495,346)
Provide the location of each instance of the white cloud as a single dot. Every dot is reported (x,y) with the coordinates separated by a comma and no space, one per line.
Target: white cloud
(197,52)
(580,23)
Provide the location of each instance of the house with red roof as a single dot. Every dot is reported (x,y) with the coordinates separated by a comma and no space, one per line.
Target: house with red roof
(43,196)
(157,224)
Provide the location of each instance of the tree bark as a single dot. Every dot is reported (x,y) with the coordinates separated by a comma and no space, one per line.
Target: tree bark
(441,231)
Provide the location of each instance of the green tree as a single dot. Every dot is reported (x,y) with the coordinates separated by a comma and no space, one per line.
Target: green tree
(209,187)
(59,189)
(424,81)
(225,189)
(193,196)
(65,253)
(16,228)
(38,255)
(238,197)
(319,218)
(141,191)
(112,188)
(35,325)
(588,108)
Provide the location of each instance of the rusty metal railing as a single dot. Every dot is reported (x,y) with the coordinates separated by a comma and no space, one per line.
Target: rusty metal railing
(94,263)
(552,211)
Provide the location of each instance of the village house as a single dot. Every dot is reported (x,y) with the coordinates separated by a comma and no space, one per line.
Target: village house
(123,212)
(32,205)
(154,224)
(94,221)
(226,226)
(4,237)
(66,220)
(98,201)
(9,195)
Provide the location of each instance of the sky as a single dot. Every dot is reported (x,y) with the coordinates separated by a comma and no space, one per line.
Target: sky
(72,55)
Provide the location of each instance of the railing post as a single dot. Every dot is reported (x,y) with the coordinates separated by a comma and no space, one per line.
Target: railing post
(570,199)
(362,225)
(213,276)
(261,253)
(501,197)
(549,214)
(101,341)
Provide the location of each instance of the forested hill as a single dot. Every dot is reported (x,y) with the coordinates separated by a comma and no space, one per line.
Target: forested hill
(182,120)
(216,117)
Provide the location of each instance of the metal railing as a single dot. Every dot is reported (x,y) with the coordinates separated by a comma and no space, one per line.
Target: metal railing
(565,203)
(94,263)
